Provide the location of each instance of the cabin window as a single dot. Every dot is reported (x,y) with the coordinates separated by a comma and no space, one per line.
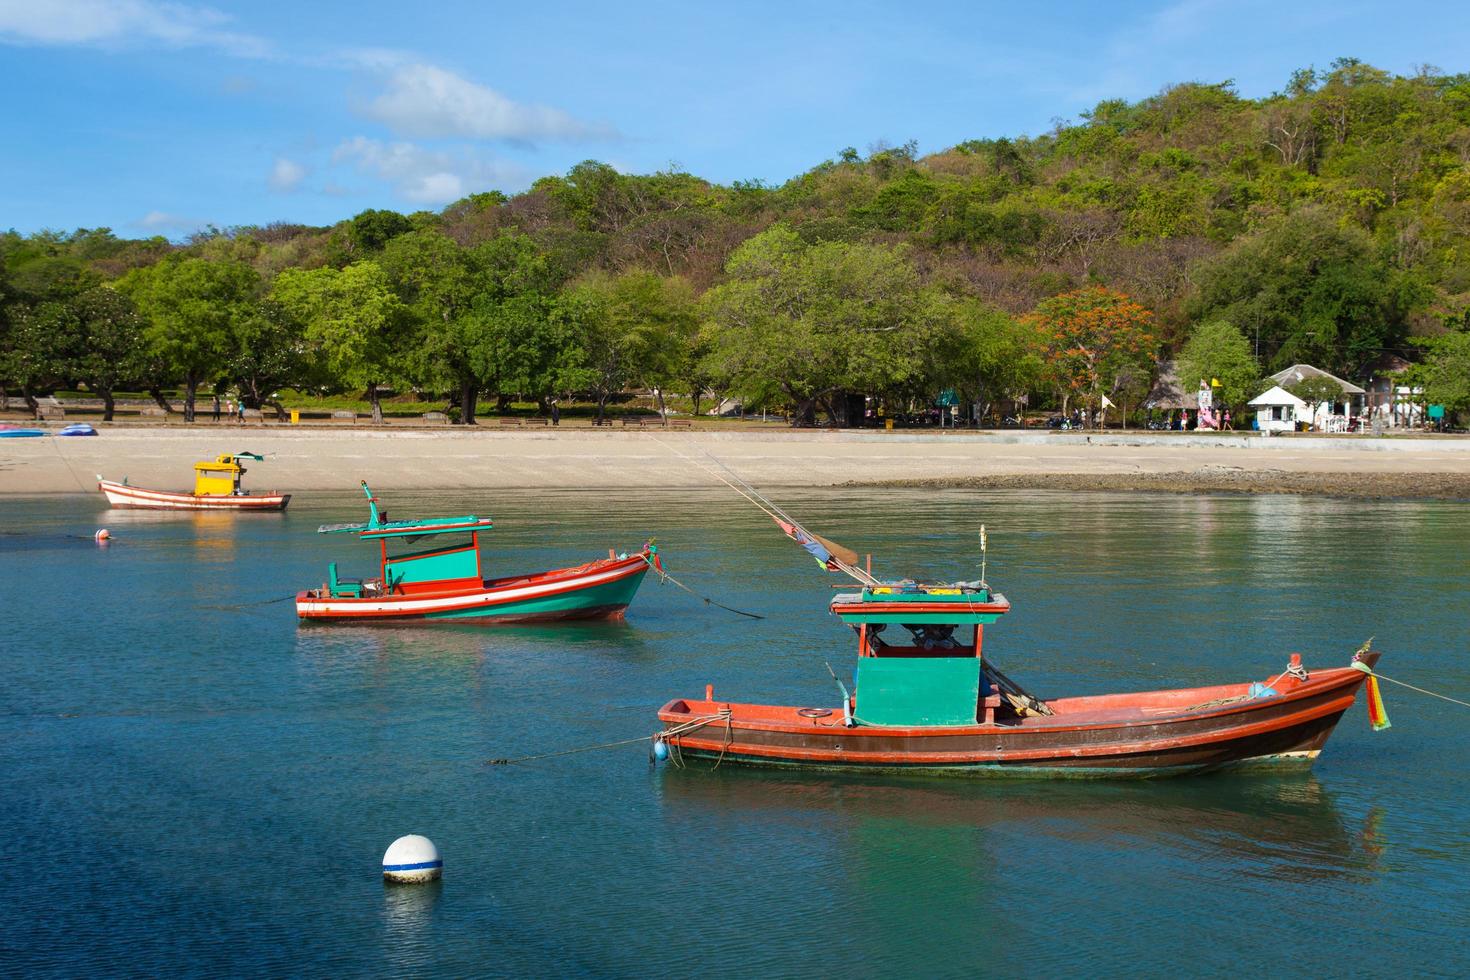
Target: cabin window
(1276,413)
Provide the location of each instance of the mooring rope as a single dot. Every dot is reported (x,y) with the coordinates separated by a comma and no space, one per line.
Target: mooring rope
(666,577)
(246,605)
(1443,697)
(680,729)
(67,463)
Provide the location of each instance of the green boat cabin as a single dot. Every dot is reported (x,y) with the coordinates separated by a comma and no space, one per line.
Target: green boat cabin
(446,565)
(935,676)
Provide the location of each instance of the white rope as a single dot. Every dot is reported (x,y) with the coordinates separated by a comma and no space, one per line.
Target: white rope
(1373,673)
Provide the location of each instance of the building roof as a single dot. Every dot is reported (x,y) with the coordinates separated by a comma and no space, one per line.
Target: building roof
(1300,372)
(1276,396)
(1166,392)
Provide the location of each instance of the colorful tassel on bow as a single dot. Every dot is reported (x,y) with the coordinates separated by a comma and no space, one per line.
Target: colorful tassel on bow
(1377,716)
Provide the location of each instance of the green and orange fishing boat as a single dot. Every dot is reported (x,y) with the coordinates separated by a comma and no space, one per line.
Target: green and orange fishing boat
(443,580)
(933,702)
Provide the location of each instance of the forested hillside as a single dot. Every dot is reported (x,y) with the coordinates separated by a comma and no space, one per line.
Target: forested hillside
(1328,223)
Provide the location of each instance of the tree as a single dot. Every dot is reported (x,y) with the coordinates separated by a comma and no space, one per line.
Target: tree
(1088,336)
(353,322)
(809,321)
(111,351)
(194,310)
(1315,390)
(1446,372)
(270,354)
(989,357)
(1216,350)
(1310,288)
(436,282)
(373,229)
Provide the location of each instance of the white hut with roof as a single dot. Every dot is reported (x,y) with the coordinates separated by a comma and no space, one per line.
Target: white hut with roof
(1278,409)
(1335,415)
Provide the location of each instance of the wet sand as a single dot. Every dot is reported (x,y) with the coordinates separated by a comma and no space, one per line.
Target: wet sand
(324,459)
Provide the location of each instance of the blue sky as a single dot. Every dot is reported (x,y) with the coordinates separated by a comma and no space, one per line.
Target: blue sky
(155,117)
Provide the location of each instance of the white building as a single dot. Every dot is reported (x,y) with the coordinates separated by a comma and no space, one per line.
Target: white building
(1278,409)
(1329,416)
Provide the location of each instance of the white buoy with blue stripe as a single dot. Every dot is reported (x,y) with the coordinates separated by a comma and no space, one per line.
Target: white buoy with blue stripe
(412,859)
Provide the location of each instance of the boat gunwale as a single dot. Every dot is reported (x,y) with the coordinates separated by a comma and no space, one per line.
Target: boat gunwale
(1340,677)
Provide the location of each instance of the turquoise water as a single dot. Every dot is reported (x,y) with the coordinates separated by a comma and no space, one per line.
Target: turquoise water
(194,788)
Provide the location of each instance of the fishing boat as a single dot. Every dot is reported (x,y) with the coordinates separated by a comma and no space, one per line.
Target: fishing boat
(216,487)
(933,702)
(442,579)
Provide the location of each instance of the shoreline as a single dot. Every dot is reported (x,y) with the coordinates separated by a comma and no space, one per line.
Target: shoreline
(323,459)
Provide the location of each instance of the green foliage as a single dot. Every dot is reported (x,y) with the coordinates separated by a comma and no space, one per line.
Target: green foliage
(631,330)
(1312,287)
(353,323)
(1217,350)
(806,321)
(195,312)
(1446,372)
(371,230)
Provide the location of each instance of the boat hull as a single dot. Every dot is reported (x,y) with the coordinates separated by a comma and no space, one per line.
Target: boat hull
(598,590)
(122,495)
(1147,735)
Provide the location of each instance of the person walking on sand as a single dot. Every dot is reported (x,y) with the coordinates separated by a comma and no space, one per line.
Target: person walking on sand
(555,413)
(216,406)
(240,410)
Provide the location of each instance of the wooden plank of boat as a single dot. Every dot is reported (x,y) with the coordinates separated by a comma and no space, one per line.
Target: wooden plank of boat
(599,589)
(1113,735)
(123,495)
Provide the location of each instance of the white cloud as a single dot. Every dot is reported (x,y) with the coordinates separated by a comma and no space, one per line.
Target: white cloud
(427,101)
(424,176)
(117,22)
(163,221)
(286,175)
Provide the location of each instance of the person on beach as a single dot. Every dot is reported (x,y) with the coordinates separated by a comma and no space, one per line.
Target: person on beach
(216,406)
(240,409)
(555,413)
(1227,419)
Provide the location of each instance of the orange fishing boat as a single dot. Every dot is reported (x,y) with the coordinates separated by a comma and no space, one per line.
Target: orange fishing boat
(933,701)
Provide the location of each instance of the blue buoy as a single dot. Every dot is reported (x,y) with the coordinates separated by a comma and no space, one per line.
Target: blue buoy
(660,749)
(1258,690)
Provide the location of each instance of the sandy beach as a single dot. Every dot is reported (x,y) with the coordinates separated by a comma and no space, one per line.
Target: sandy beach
(324,459)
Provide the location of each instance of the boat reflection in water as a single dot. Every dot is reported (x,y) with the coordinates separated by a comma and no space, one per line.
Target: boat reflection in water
(1282,828)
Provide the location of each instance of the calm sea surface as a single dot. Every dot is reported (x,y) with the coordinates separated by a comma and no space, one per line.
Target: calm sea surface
(191,785)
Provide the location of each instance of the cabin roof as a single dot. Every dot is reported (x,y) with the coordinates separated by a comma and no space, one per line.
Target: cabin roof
(1276,395)
(1166,392)
(959,604)
(1300,372)
(399,529)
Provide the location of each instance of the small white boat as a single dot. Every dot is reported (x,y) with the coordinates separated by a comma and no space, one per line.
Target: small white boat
(216,487)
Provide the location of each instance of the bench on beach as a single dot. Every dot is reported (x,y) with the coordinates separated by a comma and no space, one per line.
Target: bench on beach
(681,424)
(152,412)
(344,416)
(536,420)
(253,415)
(510,421)
(606,422)
(436,418)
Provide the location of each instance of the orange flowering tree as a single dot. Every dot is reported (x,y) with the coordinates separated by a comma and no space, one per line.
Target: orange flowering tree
(1086,337)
